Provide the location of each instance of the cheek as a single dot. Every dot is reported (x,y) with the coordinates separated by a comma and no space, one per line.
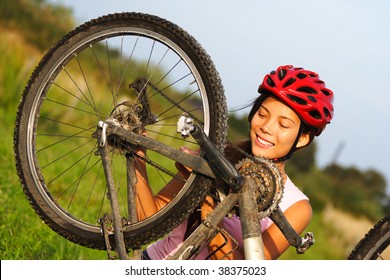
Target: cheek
(288,137)
(252,134)
(255,122)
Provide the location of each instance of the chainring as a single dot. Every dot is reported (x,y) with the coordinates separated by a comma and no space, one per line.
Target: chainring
(269,181)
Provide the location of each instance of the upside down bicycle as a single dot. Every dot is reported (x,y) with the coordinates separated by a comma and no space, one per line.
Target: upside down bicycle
(81,118)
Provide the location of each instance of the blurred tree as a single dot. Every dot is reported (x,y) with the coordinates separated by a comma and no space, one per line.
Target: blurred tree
(357,191)
(238,127)
(375,184)
(41,23)
(304,160)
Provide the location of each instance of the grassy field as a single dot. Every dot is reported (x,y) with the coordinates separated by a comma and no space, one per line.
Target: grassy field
(22,234)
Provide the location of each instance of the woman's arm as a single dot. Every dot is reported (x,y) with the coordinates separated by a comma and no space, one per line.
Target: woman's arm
(147,202)
(275,243)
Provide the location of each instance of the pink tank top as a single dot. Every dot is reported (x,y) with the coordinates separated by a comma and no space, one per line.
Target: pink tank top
(165,247)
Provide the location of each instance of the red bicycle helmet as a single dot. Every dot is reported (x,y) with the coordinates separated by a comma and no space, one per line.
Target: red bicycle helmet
(304,92)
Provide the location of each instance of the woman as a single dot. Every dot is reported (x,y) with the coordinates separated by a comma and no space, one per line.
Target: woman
(294,106)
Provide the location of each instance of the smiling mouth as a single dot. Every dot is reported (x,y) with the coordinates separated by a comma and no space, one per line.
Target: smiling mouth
(264,142)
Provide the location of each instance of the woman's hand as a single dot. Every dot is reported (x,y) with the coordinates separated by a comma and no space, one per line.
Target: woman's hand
(185,170)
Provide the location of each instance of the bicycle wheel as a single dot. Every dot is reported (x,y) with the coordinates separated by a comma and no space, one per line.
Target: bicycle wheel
(375,243)
(89,76)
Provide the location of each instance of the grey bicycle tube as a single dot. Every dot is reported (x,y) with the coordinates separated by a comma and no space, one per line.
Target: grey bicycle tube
(204,233)
(197,163)
(118,229)
(131,198)
(250,225)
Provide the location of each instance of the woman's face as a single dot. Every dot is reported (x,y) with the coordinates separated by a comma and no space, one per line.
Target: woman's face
(274,128)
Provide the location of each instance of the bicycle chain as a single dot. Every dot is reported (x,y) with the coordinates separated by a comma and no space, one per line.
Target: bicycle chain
(162,169)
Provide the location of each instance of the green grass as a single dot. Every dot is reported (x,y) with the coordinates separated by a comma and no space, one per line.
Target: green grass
(23,235)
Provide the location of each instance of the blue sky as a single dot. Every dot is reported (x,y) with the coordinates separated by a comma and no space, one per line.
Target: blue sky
(347,42)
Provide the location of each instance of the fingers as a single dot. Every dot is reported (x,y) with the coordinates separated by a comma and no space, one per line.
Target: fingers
(182,168)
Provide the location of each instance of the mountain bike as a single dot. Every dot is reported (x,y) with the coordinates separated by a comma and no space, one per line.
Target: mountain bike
(375,244)
(84,113)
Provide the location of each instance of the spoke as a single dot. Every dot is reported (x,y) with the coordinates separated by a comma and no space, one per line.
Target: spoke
(68,153)
(64,123)
(155,69)
(75,181)
(107,80)
(169,71)
(150,55)
(177,105)
(172,101)
(176,116)
(69,167)
(66,137)
(86,101)
(90,195)
(85,170)
(127,64)
(109,68)
(86,83)
(73,107)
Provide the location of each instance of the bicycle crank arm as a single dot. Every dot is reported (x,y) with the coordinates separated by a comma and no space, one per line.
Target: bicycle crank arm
(196,163)
(301,244)
(220,165)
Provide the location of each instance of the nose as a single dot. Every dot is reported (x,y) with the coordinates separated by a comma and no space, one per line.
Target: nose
(267,127)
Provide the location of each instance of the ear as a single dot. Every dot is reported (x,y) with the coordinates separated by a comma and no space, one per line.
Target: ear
(303,141)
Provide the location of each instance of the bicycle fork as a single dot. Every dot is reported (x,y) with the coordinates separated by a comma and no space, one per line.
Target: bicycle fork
(116,217)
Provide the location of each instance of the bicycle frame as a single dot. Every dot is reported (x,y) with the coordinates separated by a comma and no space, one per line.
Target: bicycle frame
(218,167)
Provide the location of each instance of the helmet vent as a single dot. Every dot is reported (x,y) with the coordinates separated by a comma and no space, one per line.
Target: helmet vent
(301,75)
(307,90)
(312,98)
(326,112)
(289,82)
(326,92)
(281,74)
(315,114)
(270,82)
(297,99)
